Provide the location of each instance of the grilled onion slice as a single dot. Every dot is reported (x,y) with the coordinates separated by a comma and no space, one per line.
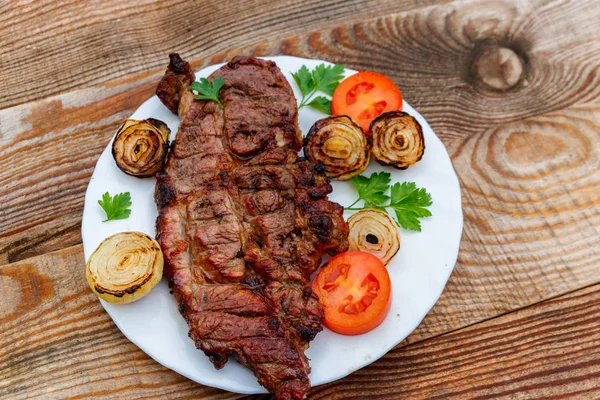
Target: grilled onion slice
(125,267)
(140,147)
(375,232)
(397,139)
(339,145)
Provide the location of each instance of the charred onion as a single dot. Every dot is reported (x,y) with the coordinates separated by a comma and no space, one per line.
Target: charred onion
(140,147)
(375,232)
(339,145)
(125,267)
(397,139)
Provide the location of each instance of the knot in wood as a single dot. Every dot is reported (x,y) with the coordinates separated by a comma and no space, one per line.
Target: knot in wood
(497,68)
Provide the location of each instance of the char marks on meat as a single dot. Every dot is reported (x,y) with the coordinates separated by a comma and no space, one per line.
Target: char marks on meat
(243,222)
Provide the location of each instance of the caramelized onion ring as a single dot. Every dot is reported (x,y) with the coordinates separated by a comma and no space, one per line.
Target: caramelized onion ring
(397,139)
(140,147)
(125,267)
(339,145)
(375,232)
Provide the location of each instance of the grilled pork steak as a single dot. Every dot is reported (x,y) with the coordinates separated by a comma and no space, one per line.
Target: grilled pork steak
(243,222)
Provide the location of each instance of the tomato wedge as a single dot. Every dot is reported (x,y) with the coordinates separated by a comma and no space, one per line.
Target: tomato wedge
(364,96)
(354,289)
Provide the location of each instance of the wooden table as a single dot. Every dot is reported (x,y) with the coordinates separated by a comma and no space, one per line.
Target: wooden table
(511,87)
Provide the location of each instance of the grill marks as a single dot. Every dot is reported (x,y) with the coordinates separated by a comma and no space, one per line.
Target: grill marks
(243,223)
(217,236)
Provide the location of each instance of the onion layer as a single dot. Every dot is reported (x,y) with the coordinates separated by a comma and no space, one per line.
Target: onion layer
(140,147)
(339,145)
(375,232)
(397,139)
(125,267)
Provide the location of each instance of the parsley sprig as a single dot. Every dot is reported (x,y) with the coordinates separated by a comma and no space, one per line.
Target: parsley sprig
(408,202)
(323,78)
(116,207)
(208,90)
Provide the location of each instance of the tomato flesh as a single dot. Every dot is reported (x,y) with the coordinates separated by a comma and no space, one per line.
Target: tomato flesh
(357,90)
(364,96)
(354,289)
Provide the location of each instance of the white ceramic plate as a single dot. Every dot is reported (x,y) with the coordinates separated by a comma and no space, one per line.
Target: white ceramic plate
(419,271)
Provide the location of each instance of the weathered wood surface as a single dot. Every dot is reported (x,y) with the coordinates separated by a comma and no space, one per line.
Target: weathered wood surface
(56,341)
(546,351)
(511,87)
(49,47)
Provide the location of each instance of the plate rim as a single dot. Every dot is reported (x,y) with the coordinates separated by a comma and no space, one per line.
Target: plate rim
(382,353)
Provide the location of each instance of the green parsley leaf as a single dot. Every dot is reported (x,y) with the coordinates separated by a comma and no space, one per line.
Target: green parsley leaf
(327,77)
(373,189)
(116,207)
(409,204)
(304,80)
(322,104)
(208,90)
(323,78)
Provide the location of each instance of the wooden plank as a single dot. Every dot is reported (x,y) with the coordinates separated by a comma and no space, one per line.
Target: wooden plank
(49,47)
(509,259)
(437,78)
(529,183)
(527,158)
(48,151)
(532,216)
(56,341)
(547,351)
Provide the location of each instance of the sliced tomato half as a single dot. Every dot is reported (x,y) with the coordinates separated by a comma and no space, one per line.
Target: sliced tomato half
(365,96)
(354,289)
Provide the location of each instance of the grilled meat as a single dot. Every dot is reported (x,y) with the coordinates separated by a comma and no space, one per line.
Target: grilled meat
(243,222)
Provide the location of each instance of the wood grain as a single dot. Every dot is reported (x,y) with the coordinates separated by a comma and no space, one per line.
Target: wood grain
(381,44)
(547,351)
(532,215)
(48,151)
(437,77)
(523,141)
(56,341)
(512,214)
(74,44)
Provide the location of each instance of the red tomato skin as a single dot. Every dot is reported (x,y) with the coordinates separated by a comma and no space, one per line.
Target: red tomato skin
(370,318)
(364,96)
